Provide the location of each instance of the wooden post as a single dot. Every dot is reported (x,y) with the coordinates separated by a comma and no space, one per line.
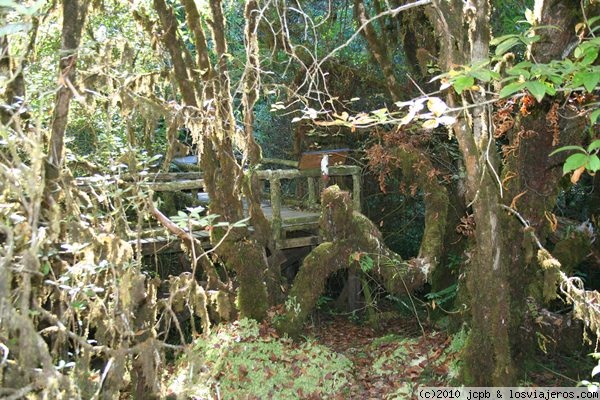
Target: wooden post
(276,206)
(312,192)
(356,191)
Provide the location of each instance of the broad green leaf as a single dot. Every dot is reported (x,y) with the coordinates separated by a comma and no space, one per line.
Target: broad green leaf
(507,45)
(500,39)
(592,20)
(537,89)
(565,148)
(519,71)
(462,83)
(531,39)
(589,80)
(574,161)
(590,56)
(511,88)
(483,75)
(241,223)
(557,80)
(594,145)
(523,64)
(551,90)
(593,163)
(594,116)
(366,263)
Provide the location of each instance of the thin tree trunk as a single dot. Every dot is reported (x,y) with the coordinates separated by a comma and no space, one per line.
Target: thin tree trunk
(74,15)
(465,39)
(378,49)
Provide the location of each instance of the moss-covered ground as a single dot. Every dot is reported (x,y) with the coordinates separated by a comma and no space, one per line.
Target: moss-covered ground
(336,359)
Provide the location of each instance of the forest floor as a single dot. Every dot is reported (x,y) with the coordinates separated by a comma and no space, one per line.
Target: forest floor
(391,361)
(338,358)
(400,356)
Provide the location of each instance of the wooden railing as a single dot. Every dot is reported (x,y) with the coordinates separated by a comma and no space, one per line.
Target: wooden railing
(171,182)
(312,175)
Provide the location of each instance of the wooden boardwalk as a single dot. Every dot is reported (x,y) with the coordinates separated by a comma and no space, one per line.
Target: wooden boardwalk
(292,226)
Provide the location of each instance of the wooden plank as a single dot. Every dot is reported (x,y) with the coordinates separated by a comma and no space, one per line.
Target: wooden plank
(300,226)
(338,170)
(163,244)
(312,240)
(175,185)
(356,189)
(288,163)
(312,159)
(276,207)
(172,176)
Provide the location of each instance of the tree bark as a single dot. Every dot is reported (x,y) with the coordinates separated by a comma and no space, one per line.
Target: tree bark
(532,177)
(213,127)
(377,47)
(74,15)
(465,40)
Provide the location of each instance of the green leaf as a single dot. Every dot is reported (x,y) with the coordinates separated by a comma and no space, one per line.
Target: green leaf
(594,145)
(483,75)
(565,148)
(46,268)
(366,263)
(593,163)
(507,45)
(519,71)
(594,116)
(590,56)
(557,80)
(550,90)
(592,20)
(523,64)
(511,88)
(531,39)
(574,161)
(500,39)
(462,83)
(537,89)
(241,223)
(589,80)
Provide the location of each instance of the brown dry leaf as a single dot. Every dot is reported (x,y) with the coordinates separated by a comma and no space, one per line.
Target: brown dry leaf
(509,175)
(552,220)
(513,203)
(577,174)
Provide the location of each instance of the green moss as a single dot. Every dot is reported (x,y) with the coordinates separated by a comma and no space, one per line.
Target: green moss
(247,260)
(324,260)
(572,251)
(347,232)
(237,363)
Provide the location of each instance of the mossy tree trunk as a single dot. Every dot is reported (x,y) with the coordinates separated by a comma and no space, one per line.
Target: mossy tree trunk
(74,16)
(348,233)
(501,267)
(465,37)
(532,177)
(206,94)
